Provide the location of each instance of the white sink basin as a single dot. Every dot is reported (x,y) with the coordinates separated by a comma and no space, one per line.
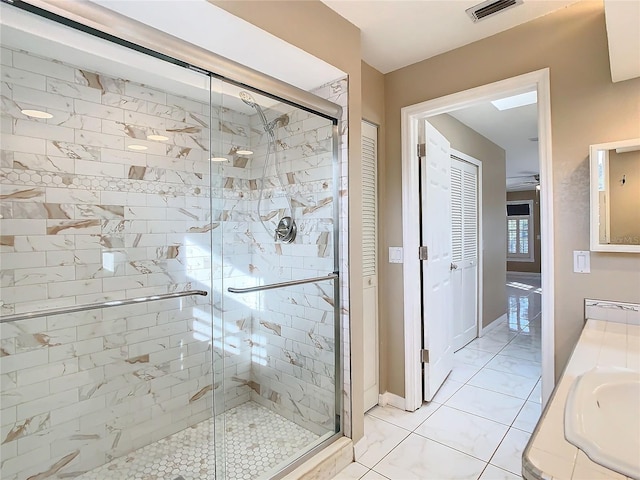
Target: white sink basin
(602,418)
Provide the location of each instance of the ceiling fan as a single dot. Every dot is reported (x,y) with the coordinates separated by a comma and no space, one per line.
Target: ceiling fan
(523,182)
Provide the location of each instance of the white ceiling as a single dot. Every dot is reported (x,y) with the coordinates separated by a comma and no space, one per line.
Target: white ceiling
(397,33)
(510,129)
(210,27)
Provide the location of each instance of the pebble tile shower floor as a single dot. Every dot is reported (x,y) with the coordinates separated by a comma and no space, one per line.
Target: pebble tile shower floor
(257,440)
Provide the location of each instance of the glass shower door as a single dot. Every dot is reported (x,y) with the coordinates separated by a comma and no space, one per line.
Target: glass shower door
(281,327)
(107,250)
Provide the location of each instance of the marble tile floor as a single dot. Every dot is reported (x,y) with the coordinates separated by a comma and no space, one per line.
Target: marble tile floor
(256,441)
(480,420)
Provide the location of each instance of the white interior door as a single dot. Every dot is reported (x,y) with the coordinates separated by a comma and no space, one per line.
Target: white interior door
(464,251)
(370,264)
(435,178)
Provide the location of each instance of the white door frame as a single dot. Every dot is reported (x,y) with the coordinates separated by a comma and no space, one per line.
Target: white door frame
(479,291)
(411,115)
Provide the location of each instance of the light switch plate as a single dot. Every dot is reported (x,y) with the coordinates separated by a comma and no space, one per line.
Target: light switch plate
(396,255)
(582,261)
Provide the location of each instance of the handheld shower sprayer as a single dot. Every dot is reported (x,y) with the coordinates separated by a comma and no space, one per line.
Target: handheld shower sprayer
(286,230)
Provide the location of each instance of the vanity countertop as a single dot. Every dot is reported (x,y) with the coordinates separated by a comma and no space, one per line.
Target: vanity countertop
(548,455)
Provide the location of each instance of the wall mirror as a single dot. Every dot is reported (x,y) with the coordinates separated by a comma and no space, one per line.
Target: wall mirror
(615,196)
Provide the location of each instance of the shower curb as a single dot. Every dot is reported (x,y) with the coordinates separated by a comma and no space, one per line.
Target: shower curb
(326,464)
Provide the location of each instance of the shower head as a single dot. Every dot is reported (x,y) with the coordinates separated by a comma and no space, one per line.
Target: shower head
(248,99)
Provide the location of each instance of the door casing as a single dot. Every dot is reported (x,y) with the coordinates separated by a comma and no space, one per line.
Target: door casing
(410,117)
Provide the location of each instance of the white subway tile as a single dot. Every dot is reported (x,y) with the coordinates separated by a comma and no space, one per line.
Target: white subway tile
(67,195)
(105,327)
(16,464)
(98,110)
(105,358)
(41,99)
(77,410)
(50,69)
(126,157)
(73,120)
(72,151)
(41,243)
(23,295)
(144,93)
(29,128)
(124,102)
(73,90)
(73,381)
(76,287)
(47,163)
(23,77)
(23,227)
(23,144)
(95,139)
(12,363)
(31,276)
(43,373)
(21,260)
(100,169)
(81,347)
(70,320)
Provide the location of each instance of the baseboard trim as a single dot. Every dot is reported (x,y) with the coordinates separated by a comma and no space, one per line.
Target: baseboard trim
(360,448)
(493,325)
(388,398)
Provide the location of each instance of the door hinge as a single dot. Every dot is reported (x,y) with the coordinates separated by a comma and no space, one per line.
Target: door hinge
(424,356)
(423,253)
(422,149)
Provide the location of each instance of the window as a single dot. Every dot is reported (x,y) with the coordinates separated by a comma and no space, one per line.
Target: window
(520,231)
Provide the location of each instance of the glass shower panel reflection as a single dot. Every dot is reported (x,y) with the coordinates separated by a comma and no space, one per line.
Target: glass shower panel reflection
(279,223)
(106,195)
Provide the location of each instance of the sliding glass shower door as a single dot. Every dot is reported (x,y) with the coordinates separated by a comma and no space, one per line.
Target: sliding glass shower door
(107,248)
(279,255)
(168,266)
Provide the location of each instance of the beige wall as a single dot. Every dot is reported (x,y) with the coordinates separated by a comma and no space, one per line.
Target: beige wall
(373,112)
(315,28)
(624,199)
(529,267)
(586,108)
(494,238)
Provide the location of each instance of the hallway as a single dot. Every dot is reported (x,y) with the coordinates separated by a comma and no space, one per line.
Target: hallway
(480,420)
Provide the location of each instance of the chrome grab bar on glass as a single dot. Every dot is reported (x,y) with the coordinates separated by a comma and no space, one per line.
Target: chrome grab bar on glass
(271,286)
(95,306)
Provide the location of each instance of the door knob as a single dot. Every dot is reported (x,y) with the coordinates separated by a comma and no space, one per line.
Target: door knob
(453,267)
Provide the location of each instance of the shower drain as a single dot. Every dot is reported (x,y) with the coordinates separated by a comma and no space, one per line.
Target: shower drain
(179,477)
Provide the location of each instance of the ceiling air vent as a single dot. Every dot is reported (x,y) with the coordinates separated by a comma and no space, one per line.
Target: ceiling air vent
(489,8)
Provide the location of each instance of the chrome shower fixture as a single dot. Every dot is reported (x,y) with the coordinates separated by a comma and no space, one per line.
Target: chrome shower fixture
(287,229)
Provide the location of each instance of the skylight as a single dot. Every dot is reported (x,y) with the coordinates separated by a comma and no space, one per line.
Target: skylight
(516,101)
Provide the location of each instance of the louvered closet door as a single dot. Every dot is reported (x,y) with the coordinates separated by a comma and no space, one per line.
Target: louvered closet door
(464,247)
(369,262)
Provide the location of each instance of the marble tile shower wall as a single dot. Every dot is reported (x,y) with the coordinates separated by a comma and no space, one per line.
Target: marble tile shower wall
(293,348)
(84,219)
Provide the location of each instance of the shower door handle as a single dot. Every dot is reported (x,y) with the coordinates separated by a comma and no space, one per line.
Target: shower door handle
(272,286)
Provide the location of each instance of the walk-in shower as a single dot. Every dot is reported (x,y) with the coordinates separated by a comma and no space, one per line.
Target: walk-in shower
(164,314)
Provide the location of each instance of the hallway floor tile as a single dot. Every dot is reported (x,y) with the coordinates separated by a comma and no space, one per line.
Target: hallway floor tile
(480,420)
